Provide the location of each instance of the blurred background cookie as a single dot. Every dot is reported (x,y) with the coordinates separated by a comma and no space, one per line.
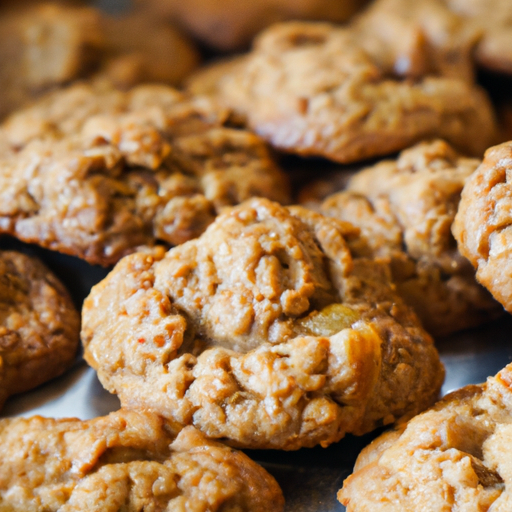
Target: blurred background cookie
(39,325)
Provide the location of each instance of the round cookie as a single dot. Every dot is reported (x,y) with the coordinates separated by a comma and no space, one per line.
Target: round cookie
(229,24)
(265,332)
(39,326)
(158,173)
(311,89)
(125,461)
(483,223)
(405,209)
(455,456)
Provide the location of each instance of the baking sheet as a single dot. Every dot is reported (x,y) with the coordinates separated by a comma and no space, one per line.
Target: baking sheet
(309,477)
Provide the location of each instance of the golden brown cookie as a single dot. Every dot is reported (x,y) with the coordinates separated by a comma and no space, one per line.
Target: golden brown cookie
(39,326)
(47,45)
(454,457)
(419,38)
(405,209)
(311,89)
(230,24)
(42,46)
(128,461)
(264,331)
(444,36)
(483,223)
(159,173)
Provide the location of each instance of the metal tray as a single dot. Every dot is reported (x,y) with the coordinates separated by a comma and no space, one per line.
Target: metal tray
(310,477)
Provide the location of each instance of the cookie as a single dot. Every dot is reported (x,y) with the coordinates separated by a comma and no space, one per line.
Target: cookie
(229,25)
(142,49)
(264,332)
(48,45)
(159,173)
(420,38)
(456,456)
(312,90)
(125,461)
(42,46)
(39,326)
(483,223)
(405,209)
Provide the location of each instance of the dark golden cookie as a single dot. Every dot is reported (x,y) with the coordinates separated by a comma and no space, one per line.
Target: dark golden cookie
(125,461)
(405,209)
(160,173)
(456,456)
(264,331)
(39,326)
(311,89)
(484,221)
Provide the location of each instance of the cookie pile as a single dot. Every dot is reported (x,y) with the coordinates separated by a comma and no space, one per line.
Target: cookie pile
(268,286)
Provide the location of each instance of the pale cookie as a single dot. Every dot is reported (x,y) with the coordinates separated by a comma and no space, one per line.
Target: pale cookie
(231,24)
(126,461)
(405,209)
(311,89)
(454,457)
(264,332)
(483,225)
(159,174)
(39,326)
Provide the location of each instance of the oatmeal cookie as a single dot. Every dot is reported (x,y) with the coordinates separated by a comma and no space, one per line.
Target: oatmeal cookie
(127,461)
(311,89)
(483,223)
(230,24)
(454,457)
(264,332)
(405,209)
(39,326)
(159,173)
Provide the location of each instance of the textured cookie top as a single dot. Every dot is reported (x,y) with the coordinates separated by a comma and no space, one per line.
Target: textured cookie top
(456,456)
(125,461)
(159,172)
(483,225)
(39,326)
(441,36)
(405,209)
(263,331)
(231,24)
(311,89)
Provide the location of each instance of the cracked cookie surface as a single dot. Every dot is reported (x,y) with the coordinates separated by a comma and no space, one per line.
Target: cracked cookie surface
(311,89)
(125,461)
(483,225)
(455,456)
(405,209)
(156,167)
(265,331)
(39,325)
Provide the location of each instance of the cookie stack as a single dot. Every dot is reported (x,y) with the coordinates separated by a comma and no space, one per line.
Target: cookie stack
(267,285)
